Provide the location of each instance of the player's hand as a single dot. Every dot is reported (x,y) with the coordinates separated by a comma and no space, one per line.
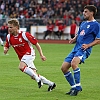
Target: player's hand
(5,50)
(85,46)
(43,58)
(71,41)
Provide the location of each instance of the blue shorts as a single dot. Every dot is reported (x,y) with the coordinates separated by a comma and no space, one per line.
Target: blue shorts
(80,53)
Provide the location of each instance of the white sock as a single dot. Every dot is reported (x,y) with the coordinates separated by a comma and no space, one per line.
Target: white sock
(45,81)
(31,73)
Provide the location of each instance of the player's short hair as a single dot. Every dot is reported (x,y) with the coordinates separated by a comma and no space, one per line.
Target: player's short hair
(14,22)
(91,8)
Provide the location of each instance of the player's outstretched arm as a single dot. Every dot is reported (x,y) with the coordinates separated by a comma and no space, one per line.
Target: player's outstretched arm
(40,52)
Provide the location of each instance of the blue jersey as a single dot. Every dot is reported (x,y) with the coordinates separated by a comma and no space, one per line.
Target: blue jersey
(87,33)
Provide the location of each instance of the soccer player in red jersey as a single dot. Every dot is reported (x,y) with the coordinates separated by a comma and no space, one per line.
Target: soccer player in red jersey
(22,44)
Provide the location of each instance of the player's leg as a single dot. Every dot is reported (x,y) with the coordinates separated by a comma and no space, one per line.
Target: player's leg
(80,57)
(24,66)
(44,80)
(68,75)
(76,69)
(51,84)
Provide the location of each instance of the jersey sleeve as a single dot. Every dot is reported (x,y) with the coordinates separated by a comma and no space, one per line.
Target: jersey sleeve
(97,31)
(31,38)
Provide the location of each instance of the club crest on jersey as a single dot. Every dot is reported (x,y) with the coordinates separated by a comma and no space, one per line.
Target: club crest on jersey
(82,32)
(20,39)
(88,26)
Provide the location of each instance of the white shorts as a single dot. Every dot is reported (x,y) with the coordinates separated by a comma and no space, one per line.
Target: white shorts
(28,59)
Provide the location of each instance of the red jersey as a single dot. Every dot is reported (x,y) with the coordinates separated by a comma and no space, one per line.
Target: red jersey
(4,29)
(21,43)
(72,28)
(61,27)
(50,27)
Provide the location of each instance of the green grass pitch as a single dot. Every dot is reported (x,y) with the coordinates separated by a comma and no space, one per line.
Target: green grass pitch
(15,85)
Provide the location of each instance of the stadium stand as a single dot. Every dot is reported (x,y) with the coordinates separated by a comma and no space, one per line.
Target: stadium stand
(37,12)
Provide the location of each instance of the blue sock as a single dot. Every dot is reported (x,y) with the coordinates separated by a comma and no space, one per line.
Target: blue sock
(70,79)
(77,78)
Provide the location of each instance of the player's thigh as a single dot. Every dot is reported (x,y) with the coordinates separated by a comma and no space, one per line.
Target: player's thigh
(27,60)
(22,65)
(75,61)
(82,55)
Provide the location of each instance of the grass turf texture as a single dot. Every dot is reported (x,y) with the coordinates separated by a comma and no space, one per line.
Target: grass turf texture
(15,85)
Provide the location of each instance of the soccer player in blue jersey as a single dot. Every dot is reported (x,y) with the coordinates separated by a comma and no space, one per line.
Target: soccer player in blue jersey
(87,36)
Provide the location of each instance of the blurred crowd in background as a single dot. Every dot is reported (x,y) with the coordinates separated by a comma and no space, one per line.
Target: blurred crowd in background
(39,12)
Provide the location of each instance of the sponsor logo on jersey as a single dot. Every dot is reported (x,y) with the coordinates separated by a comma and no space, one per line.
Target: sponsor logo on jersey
(19,45)
(82,32)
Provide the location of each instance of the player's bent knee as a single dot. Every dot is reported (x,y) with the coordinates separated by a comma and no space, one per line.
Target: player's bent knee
(63,69)
(22,68)
(74,66)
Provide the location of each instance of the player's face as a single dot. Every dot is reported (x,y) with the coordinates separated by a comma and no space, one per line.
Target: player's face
(87,14)
(12,29)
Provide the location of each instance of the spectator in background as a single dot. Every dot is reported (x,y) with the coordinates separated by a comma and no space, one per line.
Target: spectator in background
(40,1)
(78,20)
(26,4)
(1,41)
(3,32)
(17,4)
(1,14)
(66,17)
(50,12)
(50,27)
(2,7)
(81,15)
(61,26)
(73,29)
(44,9)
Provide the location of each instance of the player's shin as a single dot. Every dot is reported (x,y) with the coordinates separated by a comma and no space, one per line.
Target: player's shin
(45,81)
(77,78)
(31,73)
(70,79)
